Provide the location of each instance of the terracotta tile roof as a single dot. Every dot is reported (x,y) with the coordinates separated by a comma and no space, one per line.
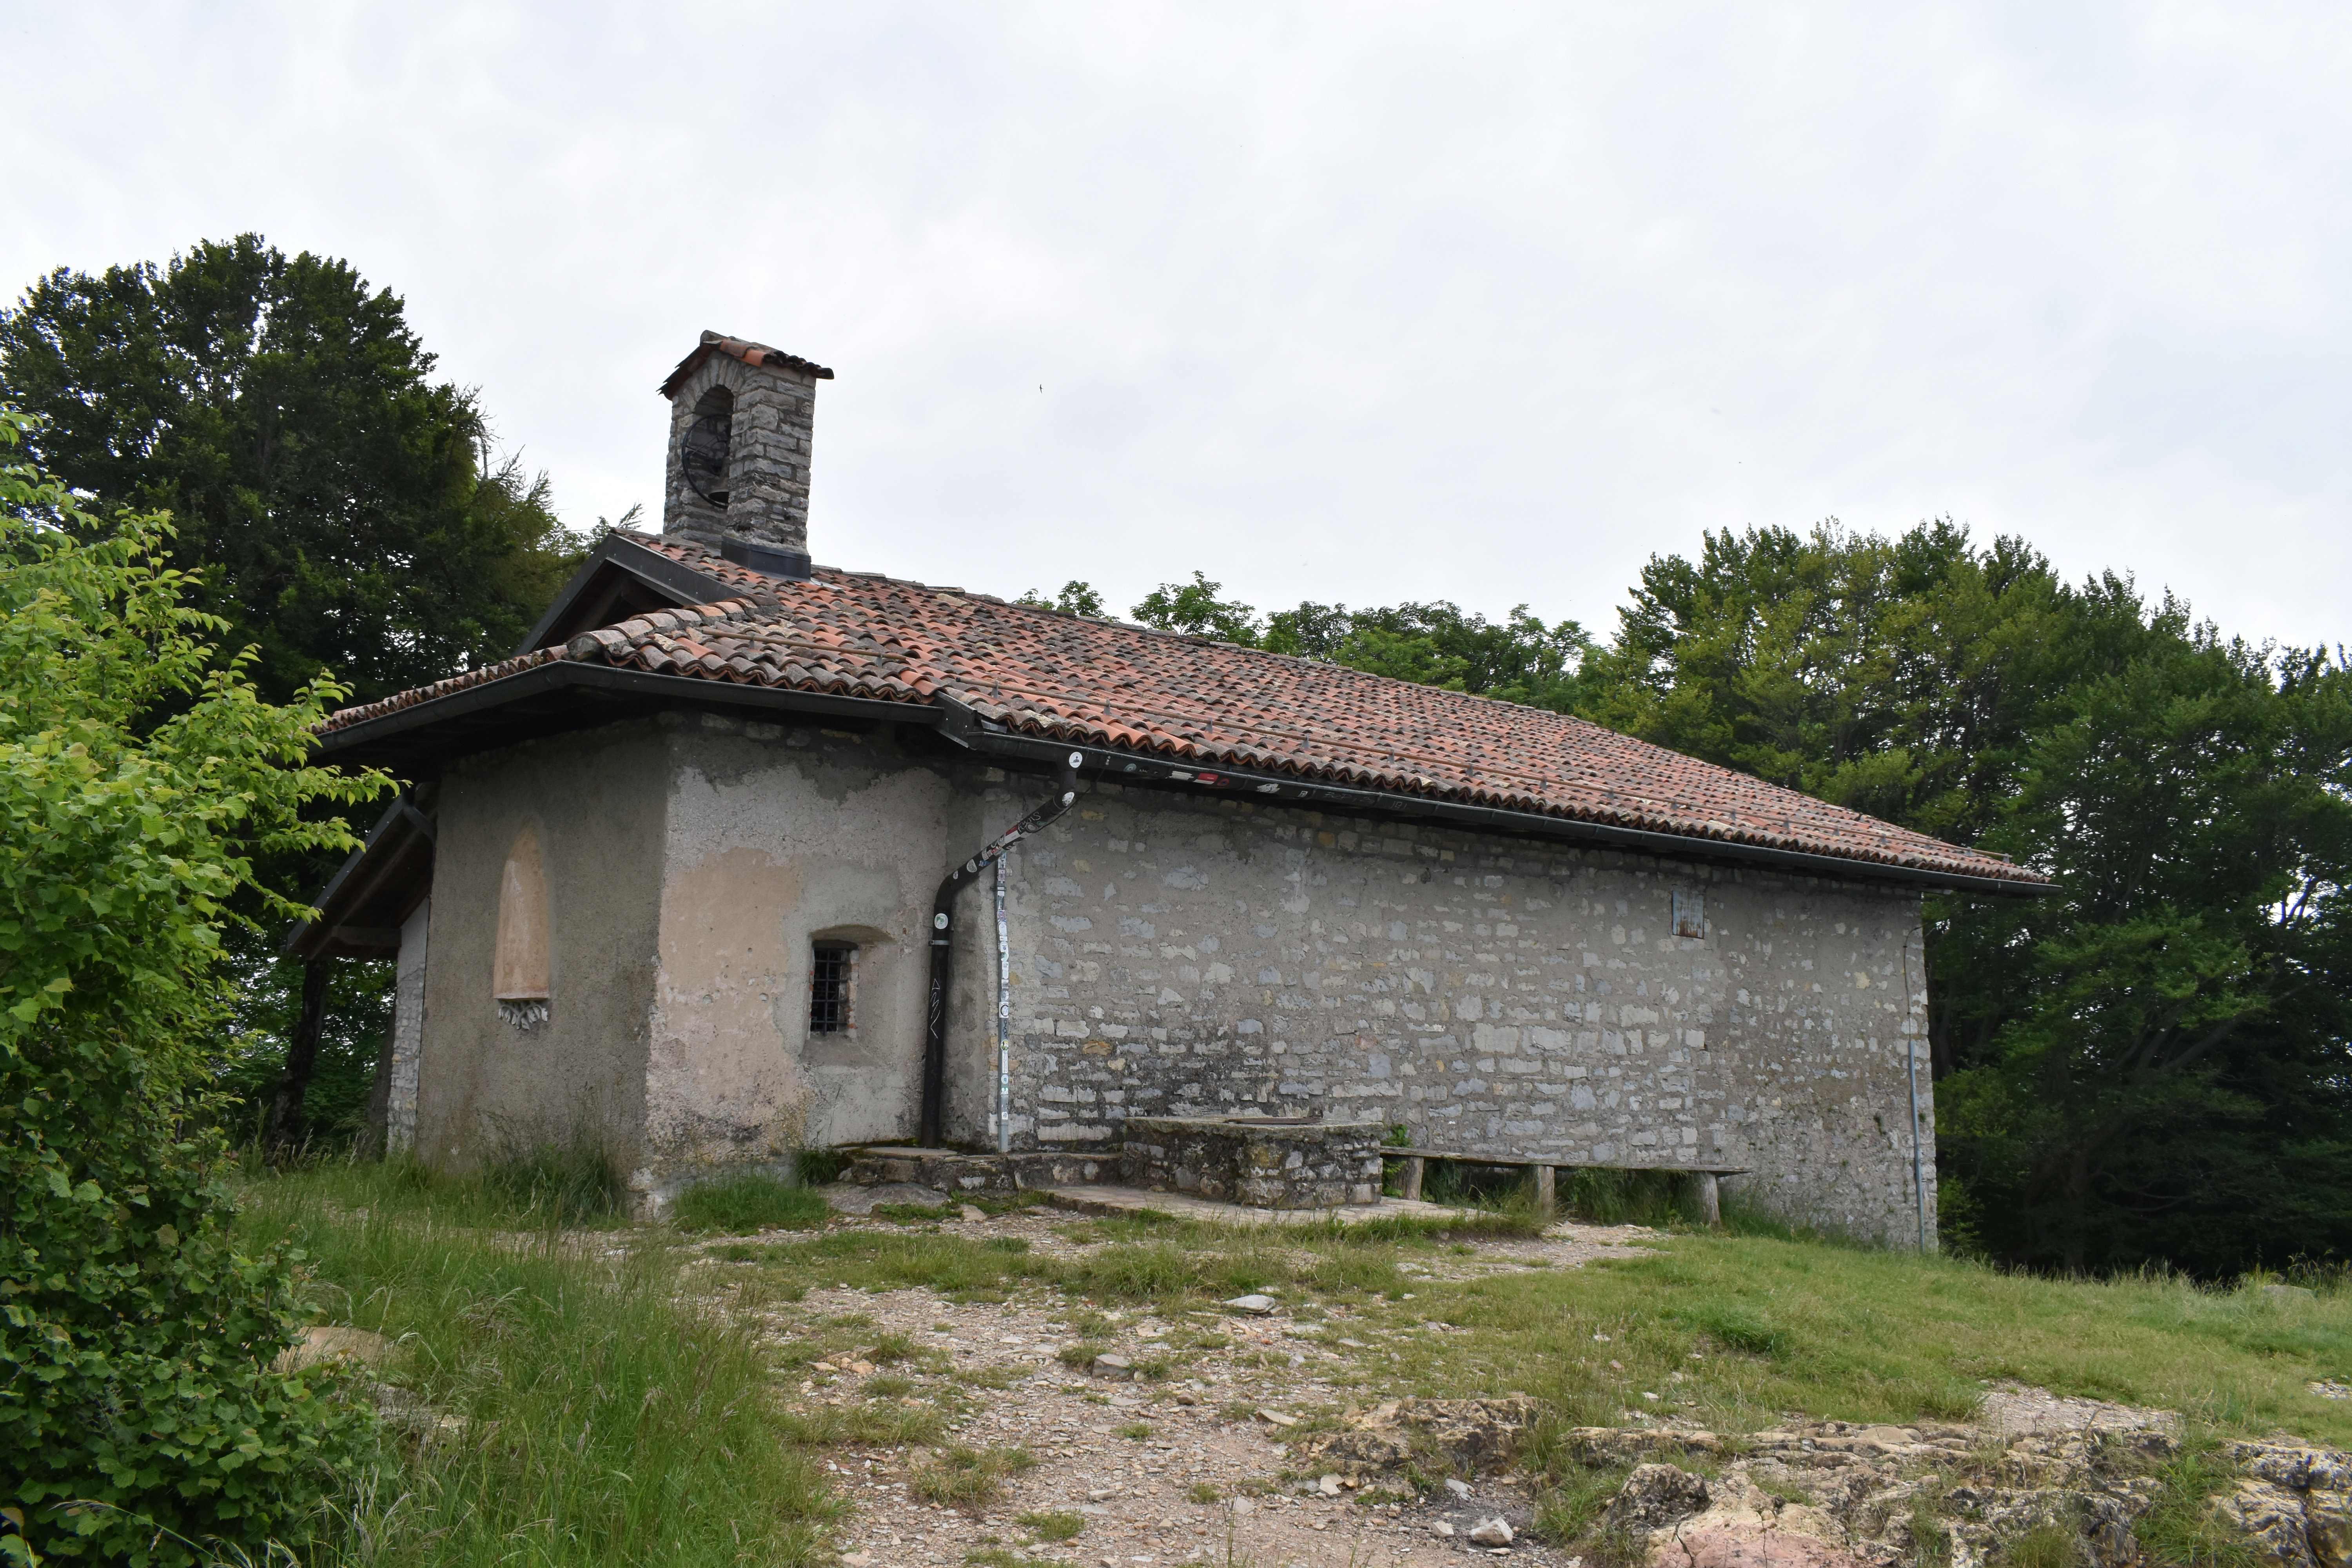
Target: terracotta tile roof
(749,352)
(1110,684)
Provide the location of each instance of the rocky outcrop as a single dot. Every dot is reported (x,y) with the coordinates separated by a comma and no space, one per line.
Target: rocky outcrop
(1653,1497)
(1833,1492)
(1837,1494)
(1437,1436)
(2294,1504)
(334,1342)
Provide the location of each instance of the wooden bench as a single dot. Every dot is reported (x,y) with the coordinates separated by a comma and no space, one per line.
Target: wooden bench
(1709,1177)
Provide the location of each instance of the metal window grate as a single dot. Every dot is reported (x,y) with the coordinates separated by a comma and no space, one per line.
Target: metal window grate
(829,988)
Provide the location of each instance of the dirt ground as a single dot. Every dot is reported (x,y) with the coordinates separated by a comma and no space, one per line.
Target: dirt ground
(1188,1469)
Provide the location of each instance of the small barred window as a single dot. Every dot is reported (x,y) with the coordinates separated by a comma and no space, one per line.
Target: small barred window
(829,975)
(1690,913)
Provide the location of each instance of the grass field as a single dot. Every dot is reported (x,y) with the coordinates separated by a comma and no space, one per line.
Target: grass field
(616,1410)
(603,1423)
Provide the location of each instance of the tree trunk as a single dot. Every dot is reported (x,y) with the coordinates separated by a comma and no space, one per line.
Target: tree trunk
(285,1128)
(2078,1203)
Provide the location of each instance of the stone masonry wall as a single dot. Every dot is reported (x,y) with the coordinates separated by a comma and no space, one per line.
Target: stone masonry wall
(1171,956)
(1319,1166)
(1176,956)
(768,456)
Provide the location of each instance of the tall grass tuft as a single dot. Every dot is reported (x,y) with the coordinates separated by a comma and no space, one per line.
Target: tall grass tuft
(750,1200)
(574,1180)
(1628,1197)
(599,1417)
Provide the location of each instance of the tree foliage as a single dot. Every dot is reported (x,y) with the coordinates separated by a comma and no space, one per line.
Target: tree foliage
(140,777)
(336,505)
(2151,1065)
(1518,659)
(1075,598)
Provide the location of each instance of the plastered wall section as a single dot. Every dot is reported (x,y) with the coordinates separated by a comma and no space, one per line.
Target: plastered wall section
(407,1052)
(778,837)
(1492,994)
(597,800)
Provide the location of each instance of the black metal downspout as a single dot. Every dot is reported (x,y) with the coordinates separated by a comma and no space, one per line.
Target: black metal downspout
(935,1024)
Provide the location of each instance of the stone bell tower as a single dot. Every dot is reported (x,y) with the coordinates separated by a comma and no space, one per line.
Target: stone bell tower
(741,420)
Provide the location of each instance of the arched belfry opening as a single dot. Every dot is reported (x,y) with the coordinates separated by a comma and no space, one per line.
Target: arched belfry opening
(708,442)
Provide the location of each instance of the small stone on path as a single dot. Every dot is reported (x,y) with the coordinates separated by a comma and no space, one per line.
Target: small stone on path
(1260,1305)
(971,1214)
(1494,1531)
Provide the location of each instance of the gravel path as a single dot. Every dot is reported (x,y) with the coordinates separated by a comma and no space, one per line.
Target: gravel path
(1180,1470)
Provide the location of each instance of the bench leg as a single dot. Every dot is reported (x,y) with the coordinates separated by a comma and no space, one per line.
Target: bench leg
(1412,1167)
(1710,1200)
(1544,1192)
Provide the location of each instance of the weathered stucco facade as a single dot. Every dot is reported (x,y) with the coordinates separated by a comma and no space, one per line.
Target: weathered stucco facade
(597,801)
(1168,956)
(692,864)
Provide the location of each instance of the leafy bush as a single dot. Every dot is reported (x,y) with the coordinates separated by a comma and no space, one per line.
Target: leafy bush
(747,1203)
(139,778)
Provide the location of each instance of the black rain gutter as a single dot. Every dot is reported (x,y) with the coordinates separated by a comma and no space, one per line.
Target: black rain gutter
(935,1018)
(956,722)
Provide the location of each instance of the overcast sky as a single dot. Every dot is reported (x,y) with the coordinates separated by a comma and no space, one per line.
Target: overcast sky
(1352,302)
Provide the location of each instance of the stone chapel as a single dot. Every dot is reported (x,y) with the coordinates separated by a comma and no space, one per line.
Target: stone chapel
(739,856)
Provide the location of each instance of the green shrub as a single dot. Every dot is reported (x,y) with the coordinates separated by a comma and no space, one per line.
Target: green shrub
(748,1202)
(140,777)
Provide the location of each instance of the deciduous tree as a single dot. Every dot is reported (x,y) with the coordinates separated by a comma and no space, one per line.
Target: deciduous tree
(2154,1063)
(336,504)
(141,775)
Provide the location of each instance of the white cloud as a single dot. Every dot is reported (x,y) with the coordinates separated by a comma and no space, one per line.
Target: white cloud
(1353,302)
